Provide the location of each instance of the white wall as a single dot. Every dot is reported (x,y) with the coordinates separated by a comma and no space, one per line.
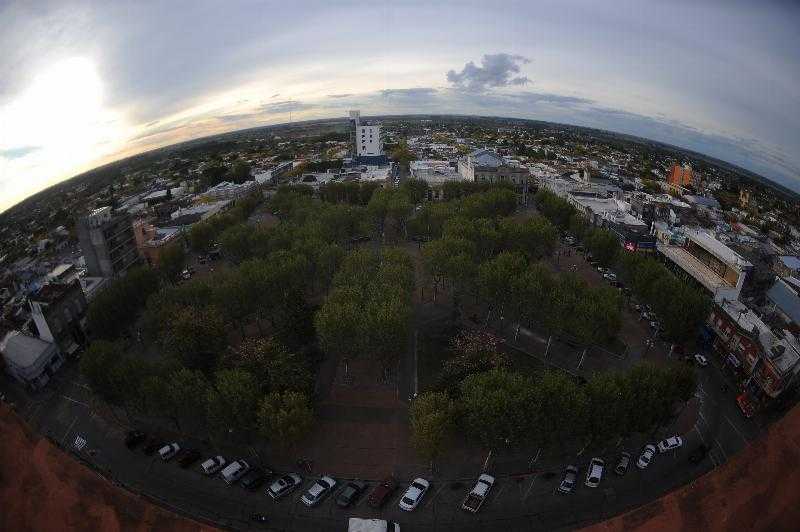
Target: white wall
(368,140)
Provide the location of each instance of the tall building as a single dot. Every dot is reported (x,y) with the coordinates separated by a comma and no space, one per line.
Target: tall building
(680,175)
(107,242)
(366,142)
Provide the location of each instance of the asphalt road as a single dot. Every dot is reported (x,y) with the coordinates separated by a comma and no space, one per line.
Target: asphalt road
(66,412)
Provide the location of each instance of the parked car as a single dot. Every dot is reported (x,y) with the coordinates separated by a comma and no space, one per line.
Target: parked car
(701,360)
(382,492)
(414,494)
(234,471)
(213,464)
(318,491)
(168,451)
(284,485)
(745,405)
(698,454)
(254,478)
(646,457)
(609,277)
(477,495)
(623,463)
(187,457)
(594,473)
(351,492)
(152,445)
(568,480)
(134,438)
(673,442)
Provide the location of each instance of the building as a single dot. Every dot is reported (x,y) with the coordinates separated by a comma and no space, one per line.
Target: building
(744,197)
(487,166)
(107,242)
(435,174)
(58,311)
(230,191)
(787,266)
(680,176)
(784,299)
(366,141)
(152,241)
(767,360)
(30,360)
(715,266)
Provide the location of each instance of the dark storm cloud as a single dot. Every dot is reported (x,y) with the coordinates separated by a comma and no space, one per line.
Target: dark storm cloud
(496,70)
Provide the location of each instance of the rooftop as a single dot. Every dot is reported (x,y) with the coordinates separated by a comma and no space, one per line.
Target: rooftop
(781,348)
(52,292)
(691,265)
(23,350)
(716,248)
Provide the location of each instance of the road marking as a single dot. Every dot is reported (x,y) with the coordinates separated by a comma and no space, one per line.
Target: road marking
(724,454)
(528,492)
(80,442)
(68,430)
(735,429)
(75,401)
(702,439)
(436,494)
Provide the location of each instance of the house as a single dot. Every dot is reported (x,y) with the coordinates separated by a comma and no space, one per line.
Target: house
(30,360)
(58,311)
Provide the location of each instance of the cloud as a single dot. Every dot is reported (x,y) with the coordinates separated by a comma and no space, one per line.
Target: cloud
(17,153)
(415,92)
(496,70)
(346,95)
(275,95)
(287,106)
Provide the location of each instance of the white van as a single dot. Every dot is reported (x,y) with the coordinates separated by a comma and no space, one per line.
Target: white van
(234,471)
(168,451)
(213,464)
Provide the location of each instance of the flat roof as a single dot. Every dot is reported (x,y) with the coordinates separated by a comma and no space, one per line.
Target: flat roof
(23,350)
(716,248)
(691,265)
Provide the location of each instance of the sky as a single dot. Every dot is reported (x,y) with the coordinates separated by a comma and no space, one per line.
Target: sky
(86,83)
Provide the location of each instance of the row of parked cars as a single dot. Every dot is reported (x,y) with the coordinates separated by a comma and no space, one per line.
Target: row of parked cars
(594,472)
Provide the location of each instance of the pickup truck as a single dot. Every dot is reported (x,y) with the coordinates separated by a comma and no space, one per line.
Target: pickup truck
(474,499)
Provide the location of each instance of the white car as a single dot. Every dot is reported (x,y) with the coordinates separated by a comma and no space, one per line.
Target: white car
(168,451)
(318,491)
(413,495)
(701,360)
(646,457)
(284,485)
(669,444)
(610,276)
(594,473)
(213,464)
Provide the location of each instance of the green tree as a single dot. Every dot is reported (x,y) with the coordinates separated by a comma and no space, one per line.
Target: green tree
(498,407)
(171,262)
(201,236)
(432,423)
(232,403)
(187,391)
(235,242)
(196,336)
(100,365)
(285,418)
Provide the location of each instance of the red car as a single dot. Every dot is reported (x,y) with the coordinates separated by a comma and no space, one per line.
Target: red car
(382,492)
(745,405)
